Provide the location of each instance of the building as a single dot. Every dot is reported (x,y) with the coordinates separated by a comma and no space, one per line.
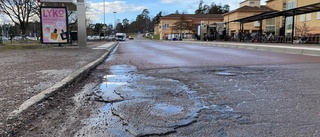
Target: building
(305,24)
(280,24)
(276,25)
(166,27)
(309,22)
(247,8)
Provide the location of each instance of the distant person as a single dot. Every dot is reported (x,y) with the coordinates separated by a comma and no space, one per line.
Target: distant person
(101,35)
(11,37)
(224,33)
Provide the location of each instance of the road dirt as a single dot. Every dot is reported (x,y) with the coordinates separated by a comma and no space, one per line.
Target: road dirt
(25,73)
(137,93)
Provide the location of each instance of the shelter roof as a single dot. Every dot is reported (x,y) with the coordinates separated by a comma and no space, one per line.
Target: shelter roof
(290,12)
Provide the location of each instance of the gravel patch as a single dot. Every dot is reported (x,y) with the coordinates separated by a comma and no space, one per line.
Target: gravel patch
(24,73)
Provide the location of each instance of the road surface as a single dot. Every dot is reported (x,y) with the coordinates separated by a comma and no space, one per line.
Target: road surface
(153,88)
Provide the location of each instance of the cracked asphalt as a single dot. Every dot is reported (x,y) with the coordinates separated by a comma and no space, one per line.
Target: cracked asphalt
(148,88)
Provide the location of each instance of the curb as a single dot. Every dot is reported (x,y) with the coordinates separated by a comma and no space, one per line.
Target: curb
(271,48)
(74,76)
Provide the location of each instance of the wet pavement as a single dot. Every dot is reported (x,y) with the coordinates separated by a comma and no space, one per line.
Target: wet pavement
(156,97)
(173,89)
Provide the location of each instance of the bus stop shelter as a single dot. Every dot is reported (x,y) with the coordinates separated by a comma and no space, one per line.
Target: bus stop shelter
(285,13)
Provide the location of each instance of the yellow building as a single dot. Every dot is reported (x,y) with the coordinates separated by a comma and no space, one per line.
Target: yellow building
(305,24)
(247,8)
(165,27)
(309,22)
(276,25)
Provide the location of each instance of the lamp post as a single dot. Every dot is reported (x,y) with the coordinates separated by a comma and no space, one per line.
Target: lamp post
(104,12)
(114,19)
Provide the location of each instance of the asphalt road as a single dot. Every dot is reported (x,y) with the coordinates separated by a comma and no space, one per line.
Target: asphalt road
(148,88)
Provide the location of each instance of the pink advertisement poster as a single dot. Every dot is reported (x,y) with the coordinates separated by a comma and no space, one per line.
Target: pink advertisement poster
(54,25)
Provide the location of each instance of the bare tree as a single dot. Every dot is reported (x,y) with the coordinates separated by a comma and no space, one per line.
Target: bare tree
(19,11)
(302,29)
(182,24)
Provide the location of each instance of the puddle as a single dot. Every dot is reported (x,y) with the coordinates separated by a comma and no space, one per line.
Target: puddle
(139,105)
(108,92)
(166,110)
(122,69)
(224,73)
(237,71)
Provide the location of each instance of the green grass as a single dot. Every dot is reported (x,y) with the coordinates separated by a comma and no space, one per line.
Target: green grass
(20,46)
(156,37)
(132,34)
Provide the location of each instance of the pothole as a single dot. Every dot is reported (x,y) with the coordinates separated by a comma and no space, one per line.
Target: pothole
(139,105)
(166,110)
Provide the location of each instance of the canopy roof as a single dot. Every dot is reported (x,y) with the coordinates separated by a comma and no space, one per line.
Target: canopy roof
(290,12)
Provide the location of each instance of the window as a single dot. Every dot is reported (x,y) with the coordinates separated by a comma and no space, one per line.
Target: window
(165,26)
(308,16)
(256,23)
(318,15)
(271,21)
(271,25)
(271,29)
(302,17)
(291,4)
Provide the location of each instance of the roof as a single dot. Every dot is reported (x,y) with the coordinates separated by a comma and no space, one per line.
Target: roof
(217,16)
(290,12)
(262,8)
(248,0)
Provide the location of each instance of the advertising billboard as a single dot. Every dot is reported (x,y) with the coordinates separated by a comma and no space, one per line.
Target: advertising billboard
(54,25)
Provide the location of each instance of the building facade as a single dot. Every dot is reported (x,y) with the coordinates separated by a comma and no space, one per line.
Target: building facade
(309,22)
(167,23)
(305,24)
(247,8)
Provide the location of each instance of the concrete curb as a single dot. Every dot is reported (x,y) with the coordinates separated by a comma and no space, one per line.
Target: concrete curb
(78,74)
(263,47)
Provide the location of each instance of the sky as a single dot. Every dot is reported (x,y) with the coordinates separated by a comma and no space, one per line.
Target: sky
(129,9)
(102,11)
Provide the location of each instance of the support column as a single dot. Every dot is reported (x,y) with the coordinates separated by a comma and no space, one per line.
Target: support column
(260,31)
(292,27)
(82,32)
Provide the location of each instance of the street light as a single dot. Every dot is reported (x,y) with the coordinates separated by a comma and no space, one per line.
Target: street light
(104,12)
(114,19)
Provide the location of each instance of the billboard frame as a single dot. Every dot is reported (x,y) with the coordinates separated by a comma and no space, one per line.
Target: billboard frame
(54,25)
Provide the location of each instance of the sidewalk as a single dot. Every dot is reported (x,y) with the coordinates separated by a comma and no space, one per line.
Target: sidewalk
(29,76)
(303,49)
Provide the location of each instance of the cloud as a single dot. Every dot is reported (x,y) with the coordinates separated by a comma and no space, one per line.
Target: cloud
(96,9)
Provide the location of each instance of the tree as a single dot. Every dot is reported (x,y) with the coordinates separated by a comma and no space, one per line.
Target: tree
(125,24)
(144,21)
(183,24)
(302,29)
(212,9)
(19,11)
(156,19)
(200,9)
(218,9)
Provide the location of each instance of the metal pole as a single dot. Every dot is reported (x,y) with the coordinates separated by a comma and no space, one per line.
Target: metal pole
(292,26)
(104,12)
(114,20)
